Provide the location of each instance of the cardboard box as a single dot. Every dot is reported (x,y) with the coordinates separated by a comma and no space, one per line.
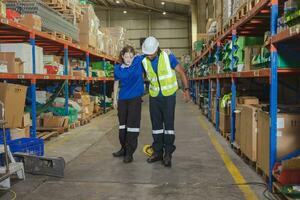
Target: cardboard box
(85,100)
(24,52)
(32,21)
(249,131)
(55,122)
(81,73)
(87,40)
(288,137)
(293,163)
(91,108)
(20,133)
(225,123)
(247,100)
(2,9)
(14,65)
(250,52)
(238,125)
(26,121)
(13,96)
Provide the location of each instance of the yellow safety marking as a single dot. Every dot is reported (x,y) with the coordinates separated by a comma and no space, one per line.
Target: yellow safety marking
(231,167)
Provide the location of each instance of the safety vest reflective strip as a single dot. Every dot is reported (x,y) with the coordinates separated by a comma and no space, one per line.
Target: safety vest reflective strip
(166,75)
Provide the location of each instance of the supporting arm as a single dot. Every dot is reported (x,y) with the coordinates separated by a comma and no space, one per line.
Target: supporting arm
(180,70)
(116,92)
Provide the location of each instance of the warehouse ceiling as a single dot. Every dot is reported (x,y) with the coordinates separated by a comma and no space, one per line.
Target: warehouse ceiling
(180,7)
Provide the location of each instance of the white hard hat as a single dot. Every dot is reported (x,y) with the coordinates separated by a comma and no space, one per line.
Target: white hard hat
(150,45)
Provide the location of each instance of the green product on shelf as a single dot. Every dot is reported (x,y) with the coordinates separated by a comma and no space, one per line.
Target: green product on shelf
(254,41)
(293,18)
(288,59)
(198,45)
(58,111)
(290,191)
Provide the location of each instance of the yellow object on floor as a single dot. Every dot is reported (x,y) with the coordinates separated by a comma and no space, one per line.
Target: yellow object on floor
(148,150)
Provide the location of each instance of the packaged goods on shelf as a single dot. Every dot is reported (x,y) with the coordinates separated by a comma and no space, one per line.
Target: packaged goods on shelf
(18,133)
(3,66)
(13,96)
(113,38)
(82,99)
(88,27)
(26,120)
(103,66)
(292,12)
(72,116)
(55,122)
(11,64)
(250,52)
(32,21)
(186,61)
(248,100)
(287,173)
(80,72)
(24,52)
(2,10)
(41,97)
(288,138)
(52,19)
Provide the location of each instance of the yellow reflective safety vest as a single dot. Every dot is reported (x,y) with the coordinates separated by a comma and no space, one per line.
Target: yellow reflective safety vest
(164,80)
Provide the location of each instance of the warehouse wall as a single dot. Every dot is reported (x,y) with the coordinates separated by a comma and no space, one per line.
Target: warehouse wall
(173,31)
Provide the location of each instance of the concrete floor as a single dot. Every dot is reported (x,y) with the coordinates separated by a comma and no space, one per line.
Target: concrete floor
(198,171)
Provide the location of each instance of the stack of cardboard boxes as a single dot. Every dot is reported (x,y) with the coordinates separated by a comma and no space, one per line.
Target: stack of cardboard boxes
(87,105)
(13,97)
(253,132)
(288,137)
(246,125)
(48,120)
(88,27)
(225,119)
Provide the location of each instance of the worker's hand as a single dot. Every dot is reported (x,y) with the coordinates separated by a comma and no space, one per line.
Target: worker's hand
(187,96)
(115,105)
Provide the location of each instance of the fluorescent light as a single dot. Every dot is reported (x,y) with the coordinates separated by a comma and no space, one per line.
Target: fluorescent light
(125,11)
(163,3)
(164,13)
(117,1)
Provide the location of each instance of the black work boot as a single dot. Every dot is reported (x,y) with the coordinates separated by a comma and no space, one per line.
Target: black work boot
(119,153)
(128,159)
(154,158)
(167,160)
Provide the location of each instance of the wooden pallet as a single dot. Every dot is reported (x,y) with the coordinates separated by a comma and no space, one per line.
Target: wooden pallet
(60,130)
(70,10)
(263,175)
(47,135)
(60,36)
(248,161)
(85,121)
(74,125)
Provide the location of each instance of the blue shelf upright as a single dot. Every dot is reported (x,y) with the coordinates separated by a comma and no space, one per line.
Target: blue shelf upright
(218,92)
(66,65)
(274,93)
(104,89)
(209,98)
(33,88)
(87,69)
(233,88)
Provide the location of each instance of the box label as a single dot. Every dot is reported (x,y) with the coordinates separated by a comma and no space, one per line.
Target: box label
(279,133)
(280,123)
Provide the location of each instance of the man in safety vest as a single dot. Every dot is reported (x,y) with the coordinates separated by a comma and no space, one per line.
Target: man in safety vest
(161,68)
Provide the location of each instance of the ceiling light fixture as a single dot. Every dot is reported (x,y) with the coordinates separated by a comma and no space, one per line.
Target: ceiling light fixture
(125,11)
(164,13)
(118,2)
(163,3)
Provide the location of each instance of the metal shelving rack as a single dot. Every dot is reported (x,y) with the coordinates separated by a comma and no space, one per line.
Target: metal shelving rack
(13,32)
(260,19)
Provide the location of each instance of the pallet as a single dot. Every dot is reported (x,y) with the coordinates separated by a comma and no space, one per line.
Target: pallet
(248,161)
(67,8)
(225,135)
(263,175)
(60,130)
(236,148)
(60,36)
(85,121)
(47,135)
(74,125)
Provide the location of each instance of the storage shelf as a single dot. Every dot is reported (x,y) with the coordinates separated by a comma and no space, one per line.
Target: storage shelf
(51,77)
(288,35)
(13,32)
(260,73)
(254,23)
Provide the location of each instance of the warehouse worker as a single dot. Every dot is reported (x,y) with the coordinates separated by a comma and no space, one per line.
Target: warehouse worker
(129,76)
(160,68)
